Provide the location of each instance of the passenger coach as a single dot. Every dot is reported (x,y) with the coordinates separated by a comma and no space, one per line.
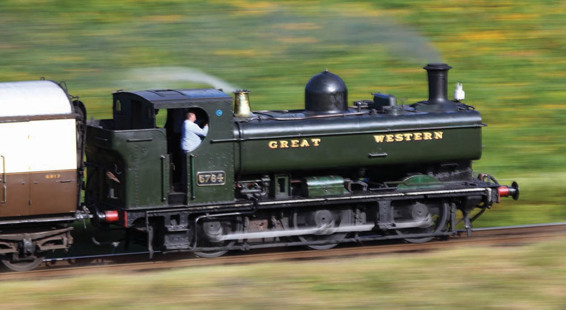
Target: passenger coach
(41,162)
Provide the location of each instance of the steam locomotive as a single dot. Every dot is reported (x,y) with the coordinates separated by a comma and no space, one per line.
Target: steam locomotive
(320,176)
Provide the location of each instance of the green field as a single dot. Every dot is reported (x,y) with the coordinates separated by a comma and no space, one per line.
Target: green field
(508,54)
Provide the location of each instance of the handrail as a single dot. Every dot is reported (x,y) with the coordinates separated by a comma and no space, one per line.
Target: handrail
(163,181)
(192,164)
(4,187)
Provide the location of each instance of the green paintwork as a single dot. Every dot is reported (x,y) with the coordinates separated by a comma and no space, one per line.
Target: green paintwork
(139,161)
(352,142)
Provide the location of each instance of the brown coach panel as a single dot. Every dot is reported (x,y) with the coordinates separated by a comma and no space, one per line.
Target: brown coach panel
(45,184)
(39,154)
(14,197)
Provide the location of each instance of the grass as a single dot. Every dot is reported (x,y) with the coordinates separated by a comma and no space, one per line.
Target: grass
(526,277)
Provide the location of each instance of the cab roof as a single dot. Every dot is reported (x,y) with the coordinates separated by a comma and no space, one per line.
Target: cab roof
(176,98)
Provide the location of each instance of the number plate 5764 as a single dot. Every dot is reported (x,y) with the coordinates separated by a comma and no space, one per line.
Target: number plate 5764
(211,178)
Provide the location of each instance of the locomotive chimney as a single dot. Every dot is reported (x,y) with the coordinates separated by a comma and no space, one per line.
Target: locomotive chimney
(437,83)
(242,103)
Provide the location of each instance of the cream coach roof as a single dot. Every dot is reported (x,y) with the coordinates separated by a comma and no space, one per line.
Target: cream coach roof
(33,98)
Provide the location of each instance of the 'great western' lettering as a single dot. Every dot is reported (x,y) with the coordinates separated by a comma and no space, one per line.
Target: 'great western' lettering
(293,143)
(409,136)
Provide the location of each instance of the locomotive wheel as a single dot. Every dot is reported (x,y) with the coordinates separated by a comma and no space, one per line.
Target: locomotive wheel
(304,219)
(14,263)
(209,231)
(435,212)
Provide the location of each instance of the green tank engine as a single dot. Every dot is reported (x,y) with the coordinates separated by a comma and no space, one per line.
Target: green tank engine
(326,174)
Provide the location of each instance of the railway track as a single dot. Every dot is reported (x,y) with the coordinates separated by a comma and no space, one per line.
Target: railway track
(138,262)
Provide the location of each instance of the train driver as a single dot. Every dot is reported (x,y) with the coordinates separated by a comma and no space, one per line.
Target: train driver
(192,134)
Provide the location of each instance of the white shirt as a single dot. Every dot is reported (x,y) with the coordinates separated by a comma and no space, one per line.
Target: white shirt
(191,135)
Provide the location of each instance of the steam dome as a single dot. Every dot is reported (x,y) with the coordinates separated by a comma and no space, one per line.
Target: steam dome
(326,92)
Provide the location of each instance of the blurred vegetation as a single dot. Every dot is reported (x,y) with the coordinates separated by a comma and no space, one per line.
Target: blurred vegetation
(530,277)
(508,54)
